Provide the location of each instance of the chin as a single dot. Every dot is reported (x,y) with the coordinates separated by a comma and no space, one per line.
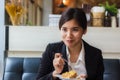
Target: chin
(69,45)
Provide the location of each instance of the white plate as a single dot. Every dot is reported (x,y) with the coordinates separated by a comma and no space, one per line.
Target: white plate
(60,77)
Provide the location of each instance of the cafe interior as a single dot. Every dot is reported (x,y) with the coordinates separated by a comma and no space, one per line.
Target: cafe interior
(28,26)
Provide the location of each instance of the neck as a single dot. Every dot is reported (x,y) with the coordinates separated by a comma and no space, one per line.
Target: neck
(74,53)
(76,49)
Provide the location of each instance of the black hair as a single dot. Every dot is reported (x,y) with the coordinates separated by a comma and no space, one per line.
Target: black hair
(74,13)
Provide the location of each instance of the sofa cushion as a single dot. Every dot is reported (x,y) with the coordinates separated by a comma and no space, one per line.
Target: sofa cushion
(112,69)
(13,69)
(27,68)
(21,68)
(30,68)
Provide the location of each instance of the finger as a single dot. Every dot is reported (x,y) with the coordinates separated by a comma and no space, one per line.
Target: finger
(58,62)
(57,59)
(57,55)
(58,67)
(62,61)
(83,76)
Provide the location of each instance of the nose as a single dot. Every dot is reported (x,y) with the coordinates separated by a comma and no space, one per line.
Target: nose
(69,34)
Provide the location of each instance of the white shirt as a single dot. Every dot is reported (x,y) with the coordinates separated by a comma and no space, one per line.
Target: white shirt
(79,65)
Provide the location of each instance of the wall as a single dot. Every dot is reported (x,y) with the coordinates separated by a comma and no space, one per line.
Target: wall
(2,36)
(47,9)
(23,45)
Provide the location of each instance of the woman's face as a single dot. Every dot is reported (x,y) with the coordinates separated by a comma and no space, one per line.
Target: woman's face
(71,33)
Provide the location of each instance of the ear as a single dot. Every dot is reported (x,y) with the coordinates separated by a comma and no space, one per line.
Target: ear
(85,31)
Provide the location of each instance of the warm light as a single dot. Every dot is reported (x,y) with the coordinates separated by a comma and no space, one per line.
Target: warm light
(19,0)
(64,1)
(62,5)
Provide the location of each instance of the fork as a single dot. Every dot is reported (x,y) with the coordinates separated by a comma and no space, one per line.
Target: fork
(68,64)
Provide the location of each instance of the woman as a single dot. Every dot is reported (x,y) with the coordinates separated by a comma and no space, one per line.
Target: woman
(85,59)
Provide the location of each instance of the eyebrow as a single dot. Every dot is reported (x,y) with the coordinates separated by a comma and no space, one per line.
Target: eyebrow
(76,27)
(73,27)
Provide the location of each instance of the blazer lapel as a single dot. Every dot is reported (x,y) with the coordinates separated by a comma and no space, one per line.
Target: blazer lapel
(64,56)
(64,51)
(88,60)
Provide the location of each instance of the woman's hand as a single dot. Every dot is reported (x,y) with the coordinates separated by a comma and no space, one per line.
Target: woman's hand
(58,64)
(82,76)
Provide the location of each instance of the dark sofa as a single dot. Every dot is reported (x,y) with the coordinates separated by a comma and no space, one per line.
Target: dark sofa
(26,69)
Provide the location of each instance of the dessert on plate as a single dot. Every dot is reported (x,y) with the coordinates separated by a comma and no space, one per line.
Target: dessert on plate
(69,74)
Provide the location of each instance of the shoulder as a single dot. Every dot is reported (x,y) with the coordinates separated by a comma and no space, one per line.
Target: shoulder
(93,53)
(91,48)
(56,44)
(55,47)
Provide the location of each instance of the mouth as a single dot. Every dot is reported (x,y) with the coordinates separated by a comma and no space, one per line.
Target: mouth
(69,41)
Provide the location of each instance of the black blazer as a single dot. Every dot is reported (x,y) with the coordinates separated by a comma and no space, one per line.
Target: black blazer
(93,61)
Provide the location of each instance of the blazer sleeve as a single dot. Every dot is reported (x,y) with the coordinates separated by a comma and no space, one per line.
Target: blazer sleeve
(46,67)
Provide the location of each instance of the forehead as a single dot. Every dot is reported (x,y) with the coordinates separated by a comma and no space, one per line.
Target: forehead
(71,24)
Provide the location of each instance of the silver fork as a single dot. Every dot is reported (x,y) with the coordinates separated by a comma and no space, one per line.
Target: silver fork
(68,64)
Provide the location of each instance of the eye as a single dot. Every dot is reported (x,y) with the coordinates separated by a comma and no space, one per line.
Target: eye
(64,29)
(75,29)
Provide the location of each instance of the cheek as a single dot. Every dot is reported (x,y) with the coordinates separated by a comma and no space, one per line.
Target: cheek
(62,35)
(78,36)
